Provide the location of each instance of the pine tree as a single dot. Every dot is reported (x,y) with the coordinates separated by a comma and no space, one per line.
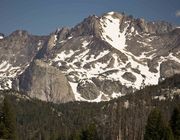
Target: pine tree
(90,133)
(168,135)
(3,130)
(155,126)
(9,120)
(175,123)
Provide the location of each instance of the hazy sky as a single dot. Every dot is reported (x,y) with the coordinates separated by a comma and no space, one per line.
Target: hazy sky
(44,16)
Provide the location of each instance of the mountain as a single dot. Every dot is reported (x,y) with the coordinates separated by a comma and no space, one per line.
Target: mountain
(99,59)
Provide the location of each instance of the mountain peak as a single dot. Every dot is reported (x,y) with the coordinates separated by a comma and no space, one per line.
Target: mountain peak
(89,26)
(20,33)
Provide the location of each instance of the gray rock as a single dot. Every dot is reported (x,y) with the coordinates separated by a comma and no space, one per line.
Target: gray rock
(169,68)
(129,76)
(88,90)
(46,83)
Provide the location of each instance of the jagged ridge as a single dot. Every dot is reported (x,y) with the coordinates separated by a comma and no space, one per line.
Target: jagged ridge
(105,57)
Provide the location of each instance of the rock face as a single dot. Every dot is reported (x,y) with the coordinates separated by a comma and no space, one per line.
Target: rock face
(16,52)
(45,82)
(102,57)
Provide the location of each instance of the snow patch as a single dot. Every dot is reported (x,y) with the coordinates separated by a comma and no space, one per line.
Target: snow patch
(111,32)
(76,94)
(132,29)
(1,37)
(116,95)
(160,98)
(171,57)
(126,104)
(110,13)
(85,43)
(63,55)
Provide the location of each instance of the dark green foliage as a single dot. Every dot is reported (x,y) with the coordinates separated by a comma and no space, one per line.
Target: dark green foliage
(175,123)
(156,129)
(3,130)
(8,122)
(168,135)
(89,133)
(155,126)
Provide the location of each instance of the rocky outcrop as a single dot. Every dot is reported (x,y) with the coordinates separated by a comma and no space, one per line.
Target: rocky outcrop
(16,52)
(20,47)
(129,76)
(88,90)
(46,83)
(169,68)
(62,34)
(90,26)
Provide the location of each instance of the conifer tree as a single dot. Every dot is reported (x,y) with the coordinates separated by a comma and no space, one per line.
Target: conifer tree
(155,126)
(168,135)
(175,123)
(90,133)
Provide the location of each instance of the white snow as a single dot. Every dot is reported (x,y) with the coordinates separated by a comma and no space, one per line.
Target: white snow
(161,97)
(85,43)
(63,55)
(74,89)
(126,104)
(70,37)
(4,66)
(1,88)
(7,72)
(172,57)
(9,83)
(93,58)
(116,64)
(54,41)
(143,43)
(55,38)
(116,95)
(132,29)
(111,32)
(1,37)
(110,13)
(40,43)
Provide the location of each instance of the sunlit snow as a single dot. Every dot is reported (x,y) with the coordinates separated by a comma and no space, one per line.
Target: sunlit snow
(111,32)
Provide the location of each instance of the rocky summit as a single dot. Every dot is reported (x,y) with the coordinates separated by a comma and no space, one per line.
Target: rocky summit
(99,59)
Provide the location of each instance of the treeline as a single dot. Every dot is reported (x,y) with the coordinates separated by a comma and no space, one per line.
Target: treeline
(157,127)
(125,118)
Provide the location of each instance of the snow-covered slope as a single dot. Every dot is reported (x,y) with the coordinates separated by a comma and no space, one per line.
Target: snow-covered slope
(108,56)
(122,56)
(111,31)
